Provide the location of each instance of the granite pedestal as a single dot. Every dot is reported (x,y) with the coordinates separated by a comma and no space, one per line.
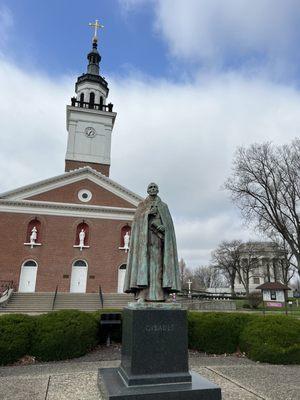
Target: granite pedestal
(154,360)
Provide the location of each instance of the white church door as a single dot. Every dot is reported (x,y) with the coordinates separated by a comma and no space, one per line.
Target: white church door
(79,277)
(28,277)
(121,278)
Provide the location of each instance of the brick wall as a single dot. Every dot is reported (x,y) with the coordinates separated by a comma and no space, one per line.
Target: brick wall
(69,194)
(56,255)
(70,165)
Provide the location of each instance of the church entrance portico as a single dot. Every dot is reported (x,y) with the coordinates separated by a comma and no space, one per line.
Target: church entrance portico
(28,277)
(79,277)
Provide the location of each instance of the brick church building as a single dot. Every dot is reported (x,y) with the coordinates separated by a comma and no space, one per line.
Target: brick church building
(72,231)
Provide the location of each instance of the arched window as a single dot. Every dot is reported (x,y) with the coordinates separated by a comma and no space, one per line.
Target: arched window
(101,102)
(80,263)
(85,228)
(33,233)
(125,230)
(81,99)
(92,100)
(30,263)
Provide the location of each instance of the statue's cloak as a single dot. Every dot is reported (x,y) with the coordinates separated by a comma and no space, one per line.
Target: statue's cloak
(137,271)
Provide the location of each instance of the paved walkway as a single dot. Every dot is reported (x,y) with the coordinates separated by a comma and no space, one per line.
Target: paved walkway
(239,378)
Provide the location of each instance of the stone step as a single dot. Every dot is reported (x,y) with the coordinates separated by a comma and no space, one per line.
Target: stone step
(43,301)
(29,302)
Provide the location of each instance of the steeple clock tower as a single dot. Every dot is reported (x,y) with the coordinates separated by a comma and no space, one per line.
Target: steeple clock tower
(90,120)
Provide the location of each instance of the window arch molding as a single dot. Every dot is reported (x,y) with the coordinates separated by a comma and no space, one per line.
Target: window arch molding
(29,263)
(80,263)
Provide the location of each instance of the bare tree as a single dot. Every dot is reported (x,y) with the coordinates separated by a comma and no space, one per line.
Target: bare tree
(283,268)
(184,273)
(206,277)
(226,258)
(265,184)
(248,264)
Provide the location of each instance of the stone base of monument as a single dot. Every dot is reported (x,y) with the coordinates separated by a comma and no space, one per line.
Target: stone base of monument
(154,360)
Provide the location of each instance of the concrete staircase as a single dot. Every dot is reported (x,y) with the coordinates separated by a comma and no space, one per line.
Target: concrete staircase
(79,301)
(90,301)
(42,302)
(29,303)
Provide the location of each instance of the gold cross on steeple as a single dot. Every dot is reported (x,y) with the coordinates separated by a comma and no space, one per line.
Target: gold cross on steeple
(97,26)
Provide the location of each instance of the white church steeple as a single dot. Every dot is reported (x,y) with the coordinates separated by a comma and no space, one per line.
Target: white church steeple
(90,119)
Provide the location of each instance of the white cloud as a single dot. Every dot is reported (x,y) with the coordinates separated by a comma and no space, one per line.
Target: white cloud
(182,136)
(235,32)
(32,125)
(203,27)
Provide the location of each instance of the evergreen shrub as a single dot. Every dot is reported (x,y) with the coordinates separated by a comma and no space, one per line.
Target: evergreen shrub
(216,333)
(15,337)
(272,339)
(64,334)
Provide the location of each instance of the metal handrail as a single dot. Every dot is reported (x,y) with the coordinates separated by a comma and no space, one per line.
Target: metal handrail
(5,286)
(54,298)
(101,296)
(93,106)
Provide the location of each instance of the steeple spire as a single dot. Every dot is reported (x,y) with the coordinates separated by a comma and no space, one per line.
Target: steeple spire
(90,119)
(94,56)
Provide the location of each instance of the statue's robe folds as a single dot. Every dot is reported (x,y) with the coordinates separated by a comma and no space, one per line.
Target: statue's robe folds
(152,268)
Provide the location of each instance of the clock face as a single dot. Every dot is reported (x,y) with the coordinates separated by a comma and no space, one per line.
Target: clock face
(90,132)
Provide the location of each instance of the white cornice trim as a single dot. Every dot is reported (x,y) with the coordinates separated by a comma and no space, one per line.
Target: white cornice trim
(71,177)
(66,210)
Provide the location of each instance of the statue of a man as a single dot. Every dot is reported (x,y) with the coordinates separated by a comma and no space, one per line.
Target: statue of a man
(152,271)
(33,235)
(81,238)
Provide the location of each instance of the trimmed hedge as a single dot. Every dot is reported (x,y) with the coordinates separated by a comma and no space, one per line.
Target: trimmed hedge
(64,334)
(273,339)
(216,333)
(72,333)
(15,337)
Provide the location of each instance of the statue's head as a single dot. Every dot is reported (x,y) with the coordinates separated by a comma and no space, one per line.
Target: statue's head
(152,189)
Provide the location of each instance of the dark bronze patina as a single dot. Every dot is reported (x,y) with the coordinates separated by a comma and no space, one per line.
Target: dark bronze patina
(152,268)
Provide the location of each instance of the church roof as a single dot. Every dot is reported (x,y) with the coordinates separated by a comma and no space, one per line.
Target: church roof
(69,177)
(45,196)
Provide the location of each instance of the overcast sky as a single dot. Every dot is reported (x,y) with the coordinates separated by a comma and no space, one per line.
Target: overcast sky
(191,80)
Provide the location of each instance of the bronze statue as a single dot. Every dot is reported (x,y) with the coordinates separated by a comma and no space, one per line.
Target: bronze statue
(152,268)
